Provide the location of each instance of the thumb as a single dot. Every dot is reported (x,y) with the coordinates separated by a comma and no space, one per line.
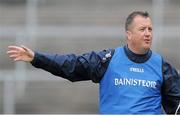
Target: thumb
(25,48)
(30,53)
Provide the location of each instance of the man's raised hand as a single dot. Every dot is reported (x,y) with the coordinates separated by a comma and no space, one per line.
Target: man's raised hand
(20,53)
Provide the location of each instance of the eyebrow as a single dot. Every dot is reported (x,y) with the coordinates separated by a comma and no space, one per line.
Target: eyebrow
(142,26)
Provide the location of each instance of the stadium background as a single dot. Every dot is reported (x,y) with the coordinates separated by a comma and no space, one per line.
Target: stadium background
(71,26)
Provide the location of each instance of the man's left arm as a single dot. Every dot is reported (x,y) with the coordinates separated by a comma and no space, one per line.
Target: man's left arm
(170,89)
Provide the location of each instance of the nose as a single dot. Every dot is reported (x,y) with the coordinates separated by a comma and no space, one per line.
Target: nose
(147,32)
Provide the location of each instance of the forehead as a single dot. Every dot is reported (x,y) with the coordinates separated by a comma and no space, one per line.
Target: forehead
(142,21)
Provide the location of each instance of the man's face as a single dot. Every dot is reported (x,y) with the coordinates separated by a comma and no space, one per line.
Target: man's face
(140,34)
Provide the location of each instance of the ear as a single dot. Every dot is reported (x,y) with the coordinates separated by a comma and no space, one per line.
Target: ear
(129,34)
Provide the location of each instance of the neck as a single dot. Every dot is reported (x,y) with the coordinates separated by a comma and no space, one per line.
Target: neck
(137,51)
(138,58)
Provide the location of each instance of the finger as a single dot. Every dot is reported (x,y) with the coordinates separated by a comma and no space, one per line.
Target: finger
(14,48)
(12,52)
(17,59)
(13,56)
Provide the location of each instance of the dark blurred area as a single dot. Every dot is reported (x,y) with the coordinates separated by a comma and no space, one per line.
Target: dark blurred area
(71,26)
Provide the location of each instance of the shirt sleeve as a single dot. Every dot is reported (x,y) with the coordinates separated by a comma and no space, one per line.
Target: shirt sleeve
(170,89)
(88,66)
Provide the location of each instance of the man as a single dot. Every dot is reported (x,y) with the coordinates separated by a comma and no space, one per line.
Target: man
(133,79)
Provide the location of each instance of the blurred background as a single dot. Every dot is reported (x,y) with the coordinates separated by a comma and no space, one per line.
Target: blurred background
(71,26)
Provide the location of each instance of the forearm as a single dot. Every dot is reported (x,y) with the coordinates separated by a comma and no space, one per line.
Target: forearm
(89,66)
(60,65)
(42,61)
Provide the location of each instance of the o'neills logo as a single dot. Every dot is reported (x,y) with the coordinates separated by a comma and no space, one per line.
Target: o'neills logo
(139,70)
(134,82)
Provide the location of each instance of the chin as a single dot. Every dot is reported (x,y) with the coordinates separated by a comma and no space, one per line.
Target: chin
(147,47)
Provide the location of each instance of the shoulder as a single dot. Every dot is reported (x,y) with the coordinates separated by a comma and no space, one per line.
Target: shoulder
(106,54)
(157,55)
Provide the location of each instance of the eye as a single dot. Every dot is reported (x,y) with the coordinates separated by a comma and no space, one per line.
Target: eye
(141,29)
(150,29)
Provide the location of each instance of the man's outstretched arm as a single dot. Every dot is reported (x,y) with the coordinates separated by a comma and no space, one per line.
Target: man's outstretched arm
(89,66)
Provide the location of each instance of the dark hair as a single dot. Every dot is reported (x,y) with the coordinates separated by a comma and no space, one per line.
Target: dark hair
(130,18)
